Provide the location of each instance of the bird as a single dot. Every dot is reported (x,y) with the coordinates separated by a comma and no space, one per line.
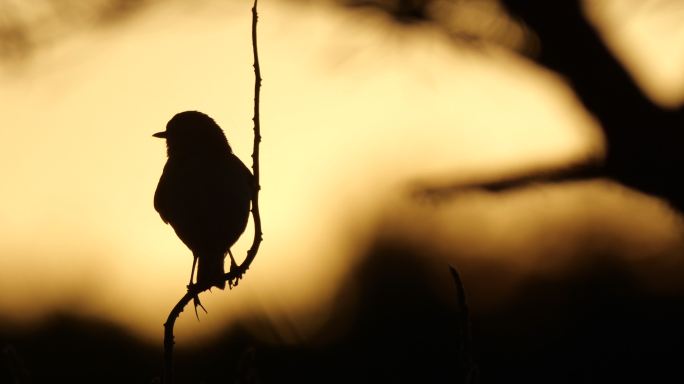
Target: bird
(204,193)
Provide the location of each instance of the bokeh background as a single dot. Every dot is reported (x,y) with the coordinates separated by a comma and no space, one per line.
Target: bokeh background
(361,102)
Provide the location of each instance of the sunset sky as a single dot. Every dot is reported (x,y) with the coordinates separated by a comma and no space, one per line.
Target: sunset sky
(355,110)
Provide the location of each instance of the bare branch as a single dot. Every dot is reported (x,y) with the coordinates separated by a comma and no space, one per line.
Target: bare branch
(251,253)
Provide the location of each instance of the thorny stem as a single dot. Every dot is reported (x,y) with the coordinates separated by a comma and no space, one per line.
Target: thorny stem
(236,272)
(251,253)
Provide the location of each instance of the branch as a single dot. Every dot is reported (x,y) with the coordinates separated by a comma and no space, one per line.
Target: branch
(168,332)
(571,46)
(642,140)
(251,253)
(466,363)
(235,273)
(433,192)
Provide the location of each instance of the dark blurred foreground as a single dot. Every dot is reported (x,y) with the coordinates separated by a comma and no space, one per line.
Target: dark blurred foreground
(592,324)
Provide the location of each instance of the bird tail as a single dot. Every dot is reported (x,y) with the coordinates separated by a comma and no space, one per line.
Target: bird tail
(210,272)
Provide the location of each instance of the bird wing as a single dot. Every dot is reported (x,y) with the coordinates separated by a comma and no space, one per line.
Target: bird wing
(246,174)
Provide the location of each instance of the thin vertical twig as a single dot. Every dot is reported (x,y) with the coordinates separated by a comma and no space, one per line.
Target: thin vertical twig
(466,363)
(258,235)
(167,377)
(235,273)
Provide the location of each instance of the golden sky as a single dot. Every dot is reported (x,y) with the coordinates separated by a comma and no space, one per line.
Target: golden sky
(354,110)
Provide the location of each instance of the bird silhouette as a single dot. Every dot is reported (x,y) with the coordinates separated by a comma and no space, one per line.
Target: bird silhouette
(204,193)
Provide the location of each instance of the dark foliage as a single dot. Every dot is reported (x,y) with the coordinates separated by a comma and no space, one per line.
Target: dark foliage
(595,323)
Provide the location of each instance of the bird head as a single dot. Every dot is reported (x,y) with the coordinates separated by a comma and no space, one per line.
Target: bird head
(193,133)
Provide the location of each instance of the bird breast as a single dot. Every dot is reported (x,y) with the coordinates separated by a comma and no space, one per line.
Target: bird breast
(206,201)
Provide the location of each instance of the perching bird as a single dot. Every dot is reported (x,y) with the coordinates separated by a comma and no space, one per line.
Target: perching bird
(204,193)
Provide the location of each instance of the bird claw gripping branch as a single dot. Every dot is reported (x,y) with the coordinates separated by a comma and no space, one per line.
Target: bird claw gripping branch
(235,274)
(196,300)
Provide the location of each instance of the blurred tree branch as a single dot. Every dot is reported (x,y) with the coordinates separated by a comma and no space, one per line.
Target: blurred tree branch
(468,22)
(28,25)
(643,140)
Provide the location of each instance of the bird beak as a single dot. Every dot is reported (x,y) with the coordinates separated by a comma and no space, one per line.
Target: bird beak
(161,135)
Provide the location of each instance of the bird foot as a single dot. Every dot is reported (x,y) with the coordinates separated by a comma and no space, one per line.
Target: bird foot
(236,274)
(196,300)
